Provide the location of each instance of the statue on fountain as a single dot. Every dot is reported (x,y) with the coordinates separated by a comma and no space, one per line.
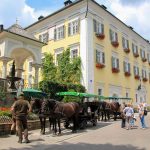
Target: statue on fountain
(12,79)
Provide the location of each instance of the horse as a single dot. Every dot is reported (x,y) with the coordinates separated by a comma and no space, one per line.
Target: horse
(36,107)
(60,110)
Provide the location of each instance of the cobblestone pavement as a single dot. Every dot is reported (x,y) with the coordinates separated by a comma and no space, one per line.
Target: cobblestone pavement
(106,136)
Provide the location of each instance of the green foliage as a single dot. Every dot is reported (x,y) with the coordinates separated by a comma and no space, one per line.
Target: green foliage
(5,113)
(51,88)
(2,94)
(49,68)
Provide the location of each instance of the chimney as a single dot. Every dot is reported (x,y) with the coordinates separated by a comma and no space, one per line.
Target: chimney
(67,2)
(41,17)
(1,27)
(104,7)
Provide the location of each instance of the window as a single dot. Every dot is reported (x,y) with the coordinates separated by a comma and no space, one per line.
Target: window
(59,33)
(98,27)
(136,71)
(125,43)
(144,74)
(30,66)
(148,57)
(44,37)
(127,94)
(100,57)
(99,91)
(113,36)
(58,53)
(126,67)
(74,53)
(115,62)
(143,55)
(73,27)
(135,50)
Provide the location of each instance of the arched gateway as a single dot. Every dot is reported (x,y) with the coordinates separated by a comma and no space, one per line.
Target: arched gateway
(18,45)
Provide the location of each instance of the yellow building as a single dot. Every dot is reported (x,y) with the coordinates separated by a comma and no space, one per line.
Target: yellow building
(115,59)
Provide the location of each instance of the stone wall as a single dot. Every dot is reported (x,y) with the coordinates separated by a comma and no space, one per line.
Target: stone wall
(32,125)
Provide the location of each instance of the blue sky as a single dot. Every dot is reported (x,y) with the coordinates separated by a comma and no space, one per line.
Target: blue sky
(135,13)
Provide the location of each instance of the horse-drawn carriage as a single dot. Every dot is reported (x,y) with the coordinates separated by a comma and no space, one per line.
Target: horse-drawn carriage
(89,105)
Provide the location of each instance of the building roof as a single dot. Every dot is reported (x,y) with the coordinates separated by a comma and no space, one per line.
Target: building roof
(78,1)
(17,29)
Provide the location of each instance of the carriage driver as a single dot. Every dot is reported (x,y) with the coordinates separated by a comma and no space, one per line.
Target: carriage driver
(21,108)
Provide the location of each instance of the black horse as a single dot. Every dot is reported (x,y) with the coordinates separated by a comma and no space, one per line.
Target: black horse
(36,106)
(62,110)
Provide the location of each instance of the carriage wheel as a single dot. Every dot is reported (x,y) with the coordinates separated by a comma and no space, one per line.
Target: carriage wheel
(94,122)
(83,124)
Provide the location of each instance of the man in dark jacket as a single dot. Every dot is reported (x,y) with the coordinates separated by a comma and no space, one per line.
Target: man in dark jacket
(21,108)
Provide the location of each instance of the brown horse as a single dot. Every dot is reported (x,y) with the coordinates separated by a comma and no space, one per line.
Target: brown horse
(63,110)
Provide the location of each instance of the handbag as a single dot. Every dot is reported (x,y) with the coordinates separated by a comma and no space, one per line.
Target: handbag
(145,112)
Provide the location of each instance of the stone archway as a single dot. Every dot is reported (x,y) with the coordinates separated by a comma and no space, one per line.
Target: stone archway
(18,45)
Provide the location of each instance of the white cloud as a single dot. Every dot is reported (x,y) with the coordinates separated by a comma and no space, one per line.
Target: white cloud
(12,9)
(136,16)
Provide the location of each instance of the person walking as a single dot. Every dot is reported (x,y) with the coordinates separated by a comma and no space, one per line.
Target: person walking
(123,121)
(21,108)
(141,115)
(13,128)
(129,112)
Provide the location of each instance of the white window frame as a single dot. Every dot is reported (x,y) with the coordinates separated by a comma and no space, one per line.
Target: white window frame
(98,28)
(126,42)
(114,35)
(58,52)
(44,37)
(114,63)
(99,56)
(144,73)
(135,50)
(143,53)
(73,27)
(127,69)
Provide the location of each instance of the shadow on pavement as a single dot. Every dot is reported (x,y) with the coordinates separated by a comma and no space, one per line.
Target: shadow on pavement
(79,146)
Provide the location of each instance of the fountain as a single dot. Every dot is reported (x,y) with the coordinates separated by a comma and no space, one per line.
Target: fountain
(12,79)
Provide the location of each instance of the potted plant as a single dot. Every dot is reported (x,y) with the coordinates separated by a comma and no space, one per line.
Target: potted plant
(127,74)
(137,77)
(145,79)
(100,35)
(115,43)
(100,65)
(115,70)
(126,50)
(136,54)
(144,59)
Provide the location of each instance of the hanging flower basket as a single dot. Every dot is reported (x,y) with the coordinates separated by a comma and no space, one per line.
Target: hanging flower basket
(144,59)
(126,50)
(137,77)
(100,36)
(127,74)
(100,65)
(136,55)
(145,79)
(115,70)
(115,43)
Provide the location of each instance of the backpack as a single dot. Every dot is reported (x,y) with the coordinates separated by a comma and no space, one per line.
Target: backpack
(145,112)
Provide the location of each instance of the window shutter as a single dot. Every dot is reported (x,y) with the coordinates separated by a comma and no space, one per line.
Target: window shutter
(78,25)
(148,57)
(142,73)
(94,22)
(127,43)
(116,36)
(96,56)
(124,66)
(110,33)
(133,48)
(149,76)
(103,57)
(123,42)
(69,29)
(102,28)
(117,63)
(136,49)
(134,69)
(144,54)
(64,31)
(55,34)
(51,33)
(40,38)
(138,70)
(141,53)
(112,62)
(145,74)
(129,68)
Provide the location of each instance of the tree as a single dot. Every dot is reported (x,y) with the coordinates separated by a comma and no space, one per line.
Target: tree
(48,68)
(68,70)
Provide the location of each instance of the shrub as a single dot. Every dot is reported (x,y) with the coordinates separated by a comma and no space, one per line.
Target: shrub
(5,113)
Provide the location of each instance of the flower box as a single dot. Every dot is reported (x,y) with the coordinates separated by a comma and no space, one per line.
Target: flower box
(144,59)
(115,43)
(126,50)
(127,74)
(137,77)
(100,36)
(115,70)
(136,55)
(145,79)
(100,65)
